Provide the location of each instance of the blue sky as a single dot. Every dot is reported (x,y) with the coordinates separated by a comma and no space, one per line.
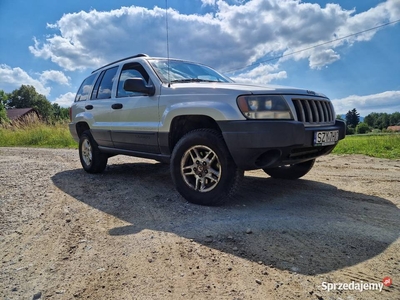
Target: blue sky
(54,45)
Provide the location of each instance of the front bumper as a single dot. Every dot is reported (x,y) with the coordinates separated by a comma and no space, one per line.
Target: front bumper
(266,144)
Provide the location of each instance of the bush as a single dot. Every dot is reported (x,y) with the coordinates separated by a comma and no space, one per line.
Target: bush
(350,130)
(362,128)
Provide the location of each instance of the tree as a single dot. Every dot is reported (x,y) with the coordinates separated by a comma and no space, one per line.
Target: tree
(383,121)
(371,119)
(362,128)
(26,97)
(352,118)
(395,119)
(3,112)
(60,113)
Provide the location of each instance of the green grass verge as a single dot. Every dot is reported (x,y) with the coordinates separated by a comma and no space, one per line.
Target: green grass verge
(376,145)
(37,135)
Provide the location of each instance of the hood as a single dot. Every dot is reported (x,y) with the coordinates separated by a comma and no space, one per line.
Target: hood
(240,88)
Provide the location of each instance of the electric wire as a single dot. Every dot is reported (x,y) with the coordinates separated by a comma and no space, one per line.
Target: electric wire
(314,46)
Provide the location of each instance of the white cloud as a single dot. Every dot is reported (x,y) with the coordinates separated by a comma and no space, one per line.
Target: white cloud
(13,78)
(55,76)
(233,36)
(208,2)
(388,101)
(65,100)
(262,74)
(323,58)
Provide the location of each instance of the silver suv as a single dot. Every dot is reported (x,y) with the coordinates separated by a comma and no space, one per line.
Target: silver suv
(209,128)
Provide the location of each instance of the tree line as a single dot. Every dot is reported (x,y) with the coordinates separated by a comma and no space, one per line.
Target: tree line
(373,121)
(27,97)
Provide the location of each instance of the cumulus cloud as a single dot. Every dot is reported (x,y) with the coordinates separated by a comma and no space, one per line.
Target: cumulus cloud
(323,58)
(262,74)
(235,34)
(388,101)
(55,76)
(208,2)
(65,100)
(13,78)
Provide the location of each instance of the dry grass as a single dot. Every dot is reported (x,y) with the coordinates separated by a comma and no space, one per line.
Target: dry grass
(32,132)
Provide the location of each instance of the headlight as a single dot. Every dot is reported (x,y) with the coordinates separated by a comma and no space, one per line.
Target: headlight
(264,107)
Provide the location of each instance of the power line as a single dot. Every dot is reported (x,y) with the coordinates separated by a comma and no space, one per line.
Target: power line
(315,46)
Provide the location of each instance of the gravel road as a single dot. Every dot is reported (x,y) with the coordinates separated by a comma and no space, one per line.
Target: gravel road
(127,234)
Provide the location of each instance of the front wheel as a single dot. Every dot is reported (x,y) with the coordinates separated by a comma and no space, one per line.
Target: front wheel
(294,171)
(92,160)
(202,168)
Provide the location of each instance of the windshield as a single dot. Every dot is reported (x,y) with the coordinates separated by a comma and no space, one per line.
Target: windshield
(182,71)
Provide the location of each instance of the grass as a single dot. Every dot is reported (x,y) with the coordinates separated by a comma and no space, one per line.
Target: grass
(38,134)
(376,145)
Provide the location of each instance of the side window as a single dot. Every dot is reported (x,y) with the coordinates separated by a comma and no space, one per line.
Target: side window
(103,86)
(85,88)
(133,70)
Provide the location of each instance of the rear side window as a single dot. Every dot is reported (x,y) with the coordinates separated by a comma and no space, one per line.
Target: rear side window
(103,87)
(86,87)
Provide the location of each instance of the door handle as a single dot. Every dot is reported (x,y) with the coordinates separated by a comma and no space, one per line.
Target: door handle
(117,106)
(89,107)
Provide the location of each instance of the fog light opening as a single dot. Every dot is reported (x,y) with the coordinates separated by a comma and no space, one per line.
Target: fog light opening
(268,158)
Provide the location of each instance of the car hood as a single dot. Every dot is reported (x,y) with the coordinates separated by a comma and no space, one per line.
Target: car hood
(239,88)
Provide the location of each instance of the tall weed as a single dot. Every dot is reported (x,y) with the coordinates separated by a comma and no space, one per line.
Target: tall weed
(32,132)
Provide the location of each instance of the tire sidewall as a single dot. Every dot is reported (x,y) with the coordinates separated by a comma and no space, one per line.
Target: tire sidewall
(85,136)
(99,160)
(212,140)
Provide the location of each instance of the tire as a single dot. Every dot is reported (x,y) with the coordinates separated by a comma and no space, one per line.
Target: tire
(92,160)
(290,171)
(202,168)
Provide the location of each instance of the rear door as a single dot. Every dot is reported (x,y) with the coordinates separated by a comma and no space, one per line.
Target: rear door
(100,106)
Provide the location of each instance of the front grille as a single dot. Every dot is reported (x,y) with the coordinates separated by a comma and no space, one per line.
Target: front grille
(314,112)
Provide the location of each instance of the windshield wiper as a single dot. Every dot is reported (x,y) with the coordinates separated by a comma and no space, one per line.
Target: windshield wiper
(191,80)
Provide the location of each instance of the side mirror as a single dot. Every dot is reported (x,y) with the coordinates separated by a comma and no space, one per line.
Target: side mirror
(138,85)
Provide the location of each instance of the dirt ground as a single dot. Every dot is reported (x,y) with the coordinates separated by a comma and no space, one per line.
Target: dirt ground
(127,234)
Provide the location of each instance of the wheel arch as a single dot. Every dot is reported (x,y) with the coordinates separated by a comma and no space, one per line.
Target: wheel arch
(81,127)
(181,125)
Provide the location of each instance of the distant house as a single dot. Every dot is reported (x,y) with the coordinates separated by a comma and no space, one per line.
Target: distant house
(394,128)
(21,114)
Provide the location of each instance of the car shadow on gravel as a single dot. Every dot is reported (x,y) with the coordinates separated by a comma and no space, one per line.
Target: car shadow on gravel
(305,226)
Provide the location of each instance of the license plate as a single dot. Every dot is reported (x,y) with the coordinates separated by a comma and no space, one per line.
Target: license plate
(324,138)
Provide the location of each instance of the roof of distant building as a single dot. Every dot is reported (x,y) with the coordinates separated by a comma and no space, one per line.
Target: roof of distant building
(16,113)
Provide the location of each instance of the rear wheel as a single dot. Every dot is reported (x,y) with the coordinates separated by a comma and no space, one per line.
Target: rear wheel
(202,168)
(92,160)
(294,171)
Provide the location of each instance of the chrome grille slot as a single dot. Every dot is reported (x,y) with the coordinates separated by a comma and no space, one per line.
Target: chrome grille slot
(314,112)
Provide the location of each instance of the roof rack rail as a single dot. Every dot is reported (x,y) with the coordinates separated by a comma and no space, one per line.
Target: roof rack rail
(119,60)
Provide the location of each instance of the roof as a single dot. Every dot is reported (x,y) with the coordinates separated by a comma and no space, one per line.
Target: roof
(394,128)
(16,113)
(117,61)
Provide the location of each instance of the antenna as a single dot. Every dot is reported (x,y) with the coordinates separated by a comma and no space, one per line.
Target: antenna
(166,23)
